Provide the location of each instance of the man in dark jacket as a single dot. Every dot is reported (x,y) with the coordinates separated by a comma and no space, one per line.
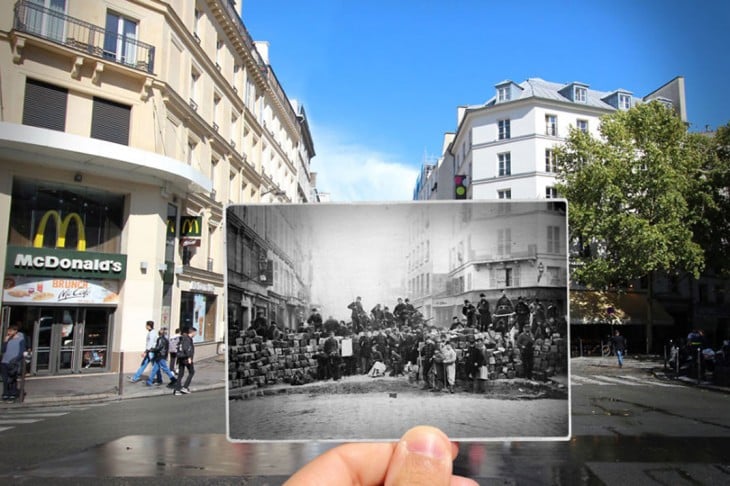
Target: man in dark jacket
(469,313)
(427,352)
(619,347)
(315,320)
(159,362)
(526,347)
(332,353)
(485,316)
(13,348)
(185,355)
(365,346)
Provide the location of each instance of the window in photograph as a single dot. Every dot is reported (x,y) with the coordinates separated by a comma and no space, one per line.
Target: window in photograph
(581,94)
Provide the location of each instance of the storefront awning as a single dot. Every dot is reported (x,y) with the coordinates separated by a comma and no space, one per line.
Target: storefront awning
(592,307)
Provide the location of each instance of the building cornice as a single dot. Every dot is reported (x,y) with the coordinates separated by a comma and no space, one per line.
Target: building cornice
(42,146)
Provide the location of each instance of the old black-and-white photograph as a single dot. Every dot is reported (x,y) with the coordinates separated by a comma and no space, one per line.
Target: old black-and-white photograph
(360,321)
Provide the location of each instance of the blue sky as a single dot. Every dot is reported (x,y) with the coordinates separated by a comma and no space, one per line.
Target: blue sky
(381,80)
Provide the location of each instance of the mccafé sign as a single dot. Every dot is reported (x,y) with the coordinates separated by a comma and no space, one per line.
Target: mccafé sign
(60,262)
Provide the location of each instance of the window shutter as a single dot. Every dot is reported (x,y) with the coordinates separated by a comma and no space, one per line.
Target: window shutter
(44,105)
(110,121)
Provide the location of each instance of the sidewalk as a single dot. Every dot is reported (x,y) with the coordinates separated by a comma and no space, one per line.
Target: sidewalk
(86,388)
(654,365)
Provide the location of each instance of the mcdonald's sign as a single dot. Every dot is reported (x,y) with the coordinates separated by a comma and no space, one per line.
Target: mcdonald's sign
(190,226)
(62,262)
(61,230)
(190,230)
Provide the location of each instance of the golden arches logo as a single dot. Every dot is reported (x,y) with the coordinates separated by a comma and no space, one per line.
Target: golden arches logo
(62,229)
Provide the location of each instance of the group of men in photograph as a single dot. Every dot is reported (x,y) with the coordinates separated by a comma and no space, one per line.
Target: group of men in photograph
(402,343)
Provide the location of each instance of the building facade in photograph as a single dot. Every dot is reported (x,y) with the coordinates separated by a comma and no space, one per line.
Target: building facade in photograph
(269,267)
(513,248)
(126,128)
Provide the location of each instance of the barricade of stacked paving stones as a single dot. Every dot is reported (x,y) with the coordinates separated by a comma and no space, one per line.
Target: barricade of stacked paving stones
(256,361)
(505,361)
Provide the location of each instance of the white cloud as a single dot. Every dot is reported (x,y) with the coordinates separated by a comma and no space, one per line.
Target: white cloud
(349,171)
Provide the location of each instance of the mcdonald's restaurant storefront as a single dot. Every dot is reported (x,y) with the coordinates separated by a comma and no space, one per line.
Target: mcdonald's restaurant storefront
(63,274)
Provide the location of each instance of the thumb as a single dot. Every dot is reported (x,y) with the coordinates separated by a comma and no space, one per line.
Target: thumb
(424,456)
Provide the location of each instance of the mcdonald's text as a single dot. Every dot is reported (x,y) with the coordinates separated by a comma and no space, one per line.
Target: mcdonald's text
(50,262)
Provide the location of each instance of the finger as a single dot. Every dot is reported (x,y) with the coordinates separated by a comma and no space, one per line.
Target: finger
(424,456)
(350,464)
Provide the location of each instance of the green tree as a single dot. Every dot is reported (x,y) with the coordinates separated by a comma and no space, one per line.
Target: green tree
(713,202)
(629,193)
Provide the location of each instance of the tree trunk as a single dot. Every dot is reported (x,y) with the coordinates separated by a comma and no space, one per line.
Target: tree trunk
(650,314)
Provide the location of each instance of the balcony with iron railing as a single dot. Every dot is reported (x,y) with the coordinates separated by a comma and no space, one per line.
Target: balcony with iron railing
(81,36)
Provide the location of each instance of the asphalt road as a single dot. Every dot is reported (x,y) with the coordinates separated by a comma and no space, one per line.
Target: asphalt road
(628,428)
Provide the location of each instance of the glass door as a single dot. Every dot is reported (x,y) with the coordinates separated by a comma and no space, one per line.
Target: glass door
(54,340)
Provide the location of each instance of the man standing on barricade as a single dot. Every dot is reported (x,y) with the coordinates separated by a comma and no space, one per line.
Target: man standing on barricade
(522,311)
(378,316)
(485,316)
(469,313)
(315,320)
(357,314)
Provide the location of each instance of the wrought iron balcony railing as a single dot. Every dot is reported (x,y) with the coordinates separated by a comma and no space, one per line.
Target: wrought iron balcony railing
(81,36)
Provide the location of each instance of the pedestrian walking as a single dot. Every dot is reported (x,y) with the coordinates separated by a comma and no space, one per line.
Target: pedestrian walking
(185,355)
(148,355)
(159,362)
(619,347)
(174,340)
(13,350)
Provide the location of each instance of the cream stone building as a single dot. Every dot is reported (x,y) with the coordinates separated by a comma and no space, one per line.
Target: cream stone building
(126,127)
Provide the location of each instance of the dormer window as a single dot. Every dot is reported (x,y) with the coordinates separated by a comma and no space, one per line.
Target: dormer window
(503,94)
(580,95)
(624,101)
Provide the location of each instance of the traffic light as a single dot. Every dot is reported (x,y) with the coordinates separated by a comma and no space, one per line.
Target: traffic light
(460,187)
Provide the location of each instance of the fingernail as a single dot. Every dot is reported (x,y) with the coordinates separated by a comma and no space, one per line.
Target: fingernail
(429,446)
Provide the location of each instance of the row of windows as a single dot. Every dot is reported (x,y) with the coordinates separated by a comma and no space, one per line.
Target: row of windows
(419,285)
(45,106)
(580,95)
(504,162)
(551,127)
(550,193)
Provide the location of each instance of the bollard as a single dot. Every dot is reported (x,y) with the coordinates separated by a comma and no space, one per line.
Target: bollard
(665,357)
(121,373)
(580,343)
(677,361)
(699,366)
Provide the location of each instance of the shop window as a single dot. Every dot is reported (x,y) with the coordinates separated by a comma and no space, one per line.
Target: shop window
(93,218)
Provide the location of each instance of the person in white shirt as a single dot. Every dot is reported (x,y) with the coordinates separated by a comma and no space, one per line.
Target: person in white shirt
(149,354)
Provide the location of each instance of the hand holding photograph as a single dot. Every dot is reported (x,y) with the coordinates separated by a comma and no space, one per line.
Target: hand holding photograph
(359,321)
